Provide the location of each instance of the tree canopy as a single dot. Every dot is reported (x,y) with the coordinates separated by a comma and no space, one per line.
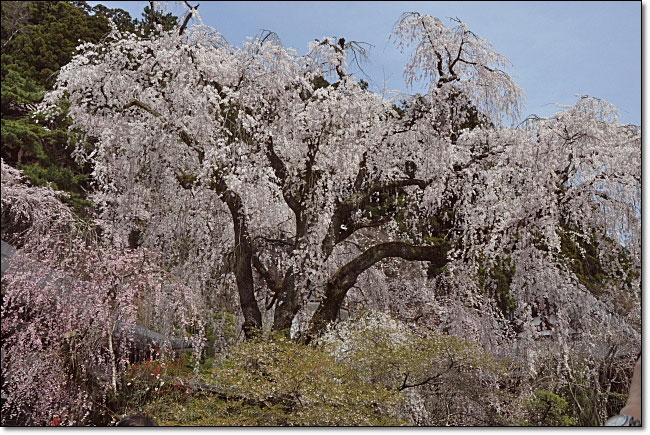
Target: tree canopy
(319,184)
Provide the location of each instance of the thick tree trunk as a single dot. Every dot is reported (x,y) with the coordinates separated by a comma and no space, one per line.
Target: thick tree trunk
(244,276)
(337,287)
(287,305)
(243,260)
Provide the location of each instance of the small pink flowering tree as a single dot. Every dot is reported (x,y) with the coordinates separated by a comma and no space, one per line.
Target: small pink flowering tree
(68,306)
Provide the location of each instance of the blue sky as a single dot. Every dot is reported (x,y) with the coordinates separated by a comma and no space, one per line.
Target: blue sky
(558,49)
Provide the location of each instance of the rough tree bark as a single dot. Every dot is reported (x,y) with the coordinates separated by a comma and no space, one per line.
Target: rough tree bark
(243,260)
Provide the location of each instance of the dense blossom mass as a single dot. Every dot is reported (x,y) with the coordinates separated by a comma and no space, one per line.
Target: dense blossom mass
(266,183)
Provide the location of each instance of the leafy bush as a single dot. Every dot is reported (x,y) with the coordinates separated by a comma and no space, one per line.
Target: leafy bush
(448,381)
(547,409)
(267,381)
(281,382)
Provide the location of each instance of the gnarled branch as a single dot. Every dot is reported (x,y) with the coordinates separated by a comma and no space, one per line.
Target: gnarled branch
(344,210)
(346,276)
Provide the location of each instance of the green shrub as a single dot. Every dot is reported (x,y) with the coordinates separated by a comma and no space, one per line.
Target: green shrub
(445,380)
(273,381)
(545,408)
